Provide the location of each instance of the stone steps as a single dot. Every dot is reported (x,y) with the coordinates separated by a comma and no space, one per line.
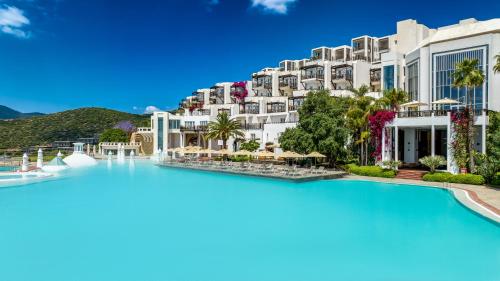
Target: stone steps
(410,174)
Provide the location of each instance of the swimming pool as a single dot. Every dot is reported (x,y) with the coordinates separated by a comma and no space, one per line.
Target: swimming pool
(151,223)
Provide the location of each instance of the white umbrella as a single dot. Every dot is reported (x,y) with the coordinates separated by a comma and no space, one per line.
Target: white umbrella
(446,101)
(413,104)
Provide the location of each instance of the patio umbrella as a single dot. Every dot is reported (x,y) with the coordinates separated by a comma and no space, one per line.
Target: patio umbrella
(315,155)
(446,101)
(221,152)
(291,154)
(265,154)
(206,151)
(413,104)
(242,152)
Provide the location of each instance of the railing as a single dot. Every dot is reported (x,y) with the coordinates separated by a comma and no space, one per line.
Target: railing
(429,113)
(250,110)
(294,107)
(265,85)
(342,76)
(254,126)
(200,112)
(313,75)
(291,85)
(276,108)
(194,128)
(221,110)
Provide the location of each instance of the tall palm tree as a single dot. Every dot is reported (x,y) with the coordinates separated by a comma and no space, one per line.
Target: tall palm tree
(392,98)
(360,108)
(223,128)
(496,67)
(467,74)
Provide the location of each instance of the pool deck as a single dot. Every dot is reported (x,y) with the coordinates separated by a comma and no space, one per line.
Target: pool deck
(300,178)
(481,199)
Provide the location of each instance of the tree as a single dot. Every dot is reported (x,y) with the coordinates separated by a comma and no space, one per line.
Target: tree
(114,135)
(392,98)
(468,75)
(322,127)
(496,67)
(251,145)
(361,107)
(224,128)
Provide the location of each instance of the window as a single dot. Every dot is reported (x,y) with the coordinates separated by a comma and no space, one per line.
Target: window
(174,124)
(160,133)
(389,77)
(203,123)
(189,124)
(443,68)
(413,81)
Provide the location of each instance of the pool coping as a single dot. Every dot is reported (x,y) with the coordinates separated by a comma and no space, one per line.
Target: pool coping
(461,192)
(329,176)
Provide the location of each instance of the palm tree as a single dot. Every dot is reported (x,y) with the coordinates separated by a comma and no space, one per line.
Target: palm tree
(360,108)
(496,67)
(393,98)
(223,128)
(468,74)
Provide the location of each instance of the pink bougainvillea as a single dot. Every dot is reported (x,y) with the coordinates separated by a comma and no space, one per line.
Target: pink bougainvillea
(194,106)
(377,122)
(239,90)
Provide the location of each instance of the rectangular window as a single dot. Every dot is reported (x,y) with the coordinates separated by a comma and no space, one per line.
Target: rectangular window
(443,68)
(174,124)
(160,133)
(413,81)
(203,123)
(388,77)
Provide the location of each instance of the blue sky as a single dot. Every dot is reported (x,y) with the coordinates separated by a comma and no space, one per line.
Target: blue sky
(128,55)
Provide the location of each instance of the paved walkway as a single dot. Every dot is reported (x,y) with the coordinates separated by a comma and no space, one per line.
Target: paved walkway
(482,199)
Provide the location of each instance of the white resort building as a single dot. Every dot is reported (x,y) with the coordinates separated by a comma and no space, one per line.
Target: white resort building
(416,58)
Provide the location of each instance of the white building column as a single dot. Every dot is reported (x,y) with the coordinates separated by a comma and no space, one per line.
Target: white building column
(449,136)
(396,143)
(483,132)
(383,146)
(433,140)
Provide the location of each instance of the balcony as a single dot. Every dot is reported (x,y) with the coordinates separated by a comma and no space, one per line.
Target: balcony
(249,108)
(199,96)
(217,95)
(252,126)
(313,75)
(342,73)
(222,110)
(276,107)
(435,113)
(294,103)
(194,128)
(200,112)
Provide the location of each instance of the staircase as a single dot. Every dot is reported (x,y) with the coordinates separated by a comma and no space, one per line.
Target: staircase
(410,174)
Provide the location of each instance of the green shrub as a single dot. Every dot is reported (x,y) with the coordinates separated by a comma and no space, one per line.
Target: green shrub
(432,162)
(439,177)
(467,179)
(239,158)
(370,171)
(461,178)
(496,180)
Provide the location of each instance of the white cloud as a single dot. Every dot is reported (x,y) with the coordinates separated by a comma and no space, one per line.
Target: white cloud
(150,109)
(274,6)
(12,20)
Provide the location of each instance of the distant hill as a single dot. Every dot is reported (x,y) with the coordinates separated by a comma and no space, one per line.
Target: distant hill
(9,113)
(66,125)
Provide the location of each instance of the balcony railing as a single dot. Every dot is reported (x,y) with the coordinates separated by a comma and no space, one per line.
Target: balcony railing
(249,110)
(276,108)
(201,112)
(288,84)
(313,75)
(253,126)
(194,128)
(294,107)
(264,85)
(342,76)
(429,113)
(221,110)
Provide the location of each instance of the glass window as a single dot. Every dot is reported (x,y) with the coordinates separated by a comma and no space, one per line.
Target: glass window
(174,124)
(388,77)
(443,68)
(160,133)
(413,81)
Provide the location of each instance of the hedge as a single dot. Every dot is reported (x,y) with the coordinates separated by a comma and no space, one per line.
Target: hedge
(448,177)
(370,171)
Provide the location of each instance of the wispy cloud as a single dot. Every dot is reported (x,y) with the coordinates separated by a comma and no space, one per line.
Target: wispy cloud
(12,21)
(273,6)
(150,109)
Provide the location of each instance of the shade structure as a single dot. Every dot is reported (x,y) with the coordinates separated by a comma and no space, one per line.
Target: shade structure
(242,152)
(221,152)
(265,154)
(413,104)
(290,154)
(446,101)
(206,151)
(315,154)
(274,145)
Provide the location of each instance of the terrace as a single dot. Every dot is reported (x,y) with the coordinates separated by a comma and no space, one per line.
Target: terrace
(375,78)
(294,103)
(342,74)
(262,85)
(276,107)
(287,84)
(199,96)
(217,95)
(249,108)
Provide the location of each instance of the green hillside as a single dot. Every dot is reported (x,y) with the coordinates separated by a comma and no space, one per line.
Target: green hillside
(9,113)
(66,125)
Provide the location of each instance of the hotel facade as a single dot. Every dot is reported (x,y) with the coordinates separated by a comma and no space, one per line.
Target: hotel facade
(416,58)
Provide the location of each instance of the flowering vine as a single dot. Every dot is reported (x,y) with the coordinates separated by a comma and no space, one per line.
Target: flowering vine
(239,91)
(460,142)
(377,122)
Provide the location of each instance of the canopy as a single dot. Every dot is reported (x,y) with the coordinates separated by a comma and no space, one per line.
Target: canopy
(446,101)
(242,152)
(413,104)
(291,154)
(222,151)
(265,153)
(315,154)
(274,145)
(206,151)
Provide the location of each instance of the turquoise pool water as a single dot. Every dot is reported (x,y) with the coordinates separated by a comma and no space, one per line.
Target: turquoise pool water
(151,223)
